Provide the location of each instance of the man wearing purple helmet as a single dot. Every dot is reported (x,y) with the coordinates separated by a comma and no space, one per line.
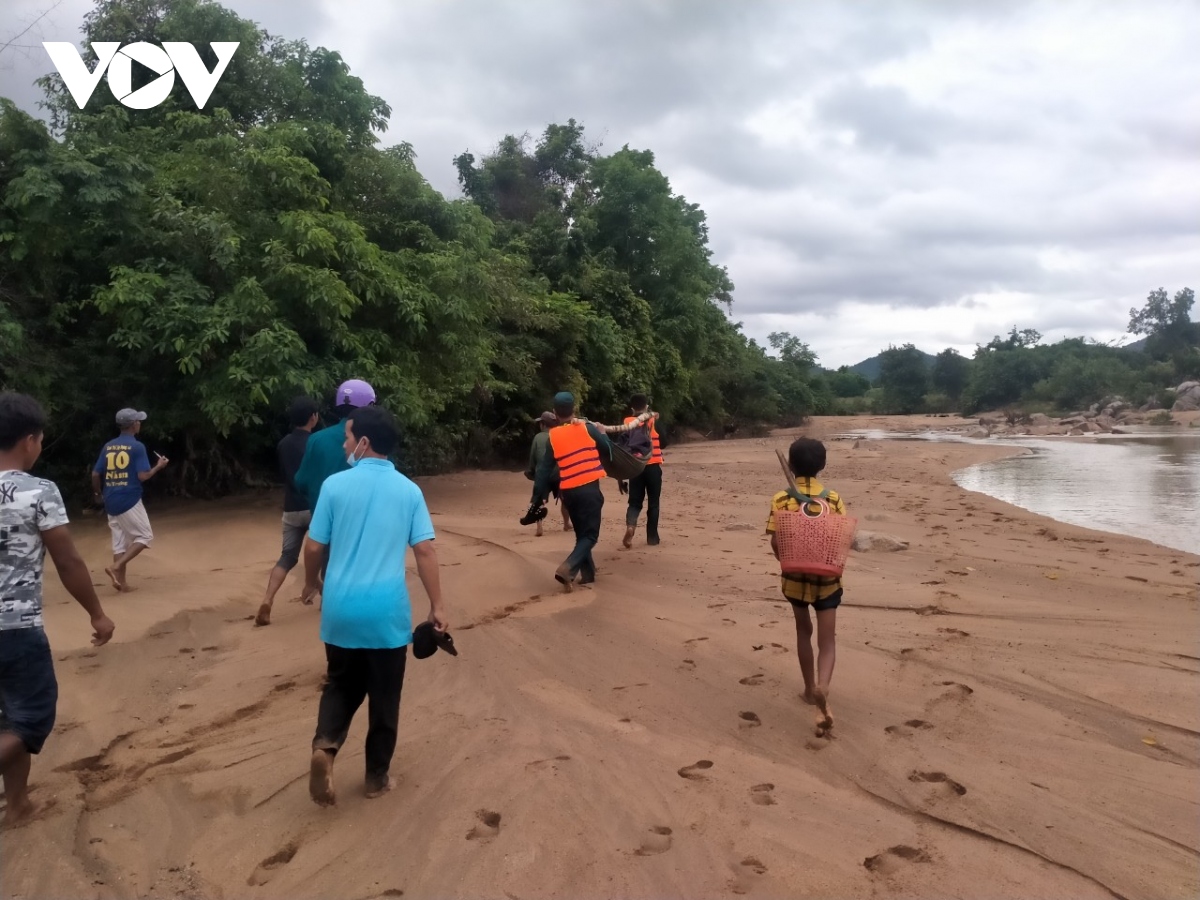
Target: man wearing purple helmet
(323,455)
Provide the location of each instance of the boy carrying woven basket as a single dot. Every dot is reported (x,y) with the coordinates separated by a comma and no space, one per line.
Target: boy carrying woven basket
(806,459)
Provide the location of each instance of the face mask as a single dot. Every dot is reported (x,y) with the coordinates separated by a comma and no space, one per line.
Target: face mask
(352,459)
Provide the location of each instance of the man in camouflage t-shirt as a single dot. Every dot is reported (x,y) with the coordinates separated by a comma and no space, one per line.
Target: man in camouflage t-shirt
(33,520)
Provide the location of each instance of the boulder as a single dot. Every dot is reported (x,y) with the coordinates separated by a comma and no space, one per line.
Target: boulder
(1076,432)
(1072,421)
(992,419)
(877,542)
(979,433)
(1041,419)
(1106,423)
(1187,397)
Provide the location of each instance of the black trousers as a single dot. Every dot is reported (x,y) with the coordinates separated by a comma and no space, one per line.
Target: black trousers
(646,487)
(377,675)
(584,504)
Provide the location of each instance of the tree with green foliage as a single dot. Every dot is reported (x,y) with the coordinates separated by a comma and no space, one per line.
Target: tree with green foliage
(951,371)
(208,265)
(903,378)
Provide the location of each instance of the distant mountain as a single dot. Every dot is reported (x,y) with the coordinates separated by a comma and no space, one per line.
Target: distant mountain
(869,368)
(1139,346)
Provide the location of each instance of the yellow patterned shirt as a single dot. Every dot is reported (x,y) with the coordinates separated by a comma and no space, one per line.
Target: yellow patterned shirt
(806,588)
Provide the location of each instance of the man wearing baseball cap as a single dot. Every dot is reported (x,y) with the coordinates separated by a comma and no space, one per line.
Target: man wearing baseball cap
(539,448)
(117,479)
(576,446)
(323,454)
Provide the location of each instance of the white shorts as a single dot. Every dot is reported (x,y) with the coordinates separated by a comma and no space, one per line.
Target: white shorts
(129,528)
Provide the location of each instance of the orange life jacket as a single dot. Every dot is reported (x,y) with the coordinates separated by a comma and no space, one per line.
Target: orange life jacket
(576,454)
(656,457)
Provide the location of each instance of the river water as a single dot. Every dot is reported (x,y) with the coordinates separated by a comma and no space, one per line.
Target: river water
(1145,485)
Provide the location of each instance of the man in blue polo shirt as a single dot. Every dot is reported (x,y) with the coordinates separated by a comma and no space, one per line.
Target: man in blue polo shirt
(364,522)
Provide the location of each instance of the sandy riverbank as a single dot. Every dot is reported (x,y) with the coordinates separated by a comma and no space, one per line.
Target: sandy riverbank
(1018,709)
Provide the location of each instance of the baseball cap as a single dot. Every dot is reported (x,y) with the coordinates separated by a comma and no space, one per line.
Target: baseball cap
(426,641)
(354,392)
(128,416)
(548,418)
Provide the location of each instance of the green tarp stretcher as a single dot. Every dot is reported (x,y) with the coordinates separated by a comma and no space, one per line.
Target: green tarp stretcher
(623,465)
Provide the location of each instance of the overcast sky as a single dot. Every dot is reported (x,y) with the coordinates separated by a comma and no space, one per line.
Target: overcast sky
(873,173)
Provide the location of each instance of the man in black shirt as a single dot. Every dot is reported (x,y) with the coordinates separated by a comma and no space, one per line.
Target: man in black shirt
(296,514)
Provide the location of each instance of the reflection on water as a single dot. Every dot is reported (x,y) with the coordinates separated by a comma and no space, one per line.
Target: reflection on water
(1146,486)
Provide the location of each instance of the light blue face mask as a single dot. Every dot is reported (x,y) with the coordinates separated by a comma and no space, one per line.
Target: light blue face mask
(352,460)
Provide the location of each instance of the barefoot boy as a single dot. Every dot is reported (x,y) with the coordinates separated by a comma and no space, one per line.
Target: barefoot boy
(303,417)
(32,521)
(123,465)
(806,459)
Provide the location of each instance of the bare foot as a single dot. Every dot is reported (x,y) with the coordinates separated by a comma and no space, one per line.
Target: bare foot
(564,577)
(373,792)
(627,541)
(538,532)
(825,712)
(18,814)
(809,697)
(264,615)
(112,576)
(320,778)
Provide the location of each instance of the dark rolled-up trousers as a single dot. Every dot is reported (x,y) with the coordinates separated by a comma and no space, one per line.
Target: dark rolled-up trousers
(352,676)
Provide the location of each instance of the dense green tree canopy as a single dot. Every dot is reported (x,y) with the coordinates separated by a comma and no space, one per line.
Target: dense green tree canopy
(209,265)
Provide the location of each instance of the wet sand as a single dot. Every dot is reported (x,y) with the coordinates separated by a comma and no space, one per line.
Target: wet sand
(1017,709)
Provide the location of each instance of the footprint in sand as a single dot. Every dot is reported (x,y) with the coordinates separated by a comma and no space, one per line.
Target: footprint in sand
(729,621)
(915,724)
(751,680)
(694,640)
(954,632)
(961,689)
(689,663)
(691,772)
(265,870)
(749,720)
(747,875)
(752,862)
(486,828)
(938,778)
(657,841)
(893,859)
(761,794)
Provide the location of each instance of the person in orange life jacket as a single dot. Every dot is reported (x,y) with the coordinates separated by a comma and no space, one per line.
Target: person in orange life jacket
(648,485)
(575,450)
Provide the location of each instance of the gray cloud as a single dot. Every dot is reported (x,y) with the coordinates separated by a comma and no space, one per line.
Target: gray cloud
(876,171)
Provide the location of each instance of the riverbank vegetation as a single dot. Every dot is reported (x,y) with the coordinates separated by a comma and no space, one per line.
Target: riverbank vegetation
(209,265)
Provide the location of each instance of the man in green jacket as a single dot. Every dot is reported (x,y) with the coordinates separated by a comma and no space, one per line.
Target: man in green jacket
(540,447)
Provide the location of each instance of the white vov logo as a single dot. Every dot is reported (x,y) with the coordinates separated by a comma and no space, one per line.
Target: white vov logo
(171,57)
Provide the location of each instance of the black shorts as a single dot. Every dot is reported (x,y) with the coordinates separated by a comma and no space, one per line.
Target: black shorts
(28,688)
(833,601)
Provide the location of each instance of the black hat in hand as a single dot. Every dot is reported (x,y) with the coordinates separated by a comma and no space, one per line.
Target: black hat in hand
(427,640)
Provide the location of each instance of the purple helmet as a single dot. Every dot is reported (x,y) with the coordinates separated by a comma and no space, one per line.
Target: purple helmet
(354,392)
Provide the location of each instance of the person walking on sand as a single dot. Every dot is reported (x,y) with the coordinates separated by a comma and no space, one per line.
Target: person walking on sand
(117,477)
(575,448)
(302,416)
(33,520)
(646,487)
(539,448)
(806,459)
(363,525)
(323,455)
